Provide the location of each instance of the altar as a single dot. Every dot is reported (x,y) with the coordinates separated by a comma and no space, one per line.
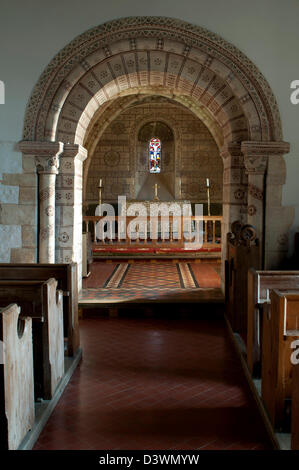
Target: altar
(159,219)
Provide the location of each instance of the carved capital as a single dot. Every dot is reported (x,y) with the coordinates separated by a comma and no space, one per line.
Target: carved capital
(257,164)
(260,149)
(46,154)
(256,154)
(48,165)
(74,151)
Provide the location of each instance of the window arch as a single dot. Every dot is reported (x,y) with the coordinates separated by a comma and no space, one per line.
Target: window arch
(155,155)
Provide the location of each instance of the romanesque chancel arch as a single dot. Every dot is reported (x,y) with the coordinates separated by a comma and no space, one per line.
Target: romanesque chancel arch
(104,70)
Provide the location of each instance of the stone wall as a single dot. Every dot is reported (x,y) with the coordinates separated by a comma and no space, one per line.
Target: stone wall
(121,159)
(18,201)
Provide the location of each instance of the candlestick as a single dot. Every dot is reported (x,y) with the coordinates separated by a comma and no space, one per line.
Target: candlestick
(100,192)
(209,202)
(156,192)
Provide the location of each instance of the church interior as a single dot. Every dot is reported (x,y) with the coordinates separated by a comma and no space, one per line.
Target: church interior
(149,226)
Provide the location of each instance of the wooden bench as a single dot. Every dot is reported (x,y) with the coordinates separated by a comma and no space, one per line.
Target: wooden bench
(66,275)
(280,329)
(43,303)
(16,378)
(243,252)
(259,285)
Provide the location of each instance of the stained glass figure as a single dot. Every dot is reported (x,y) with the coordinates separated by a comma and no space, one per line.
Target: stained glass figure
(155,155)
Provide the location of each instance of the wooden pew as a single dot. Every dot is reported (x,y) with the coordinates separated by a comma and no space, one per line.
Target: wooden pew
(280,330)
(43,303)
(16,378)
(259,285)
(66,275)
(295,408)
(243,252)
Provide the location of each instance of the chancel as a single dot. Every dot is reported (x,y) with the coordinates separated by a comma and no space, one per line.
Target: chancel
(149,289)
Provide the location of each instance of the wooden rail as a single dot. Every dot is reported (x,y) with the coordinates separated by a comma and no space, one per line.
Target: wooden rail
(172,231)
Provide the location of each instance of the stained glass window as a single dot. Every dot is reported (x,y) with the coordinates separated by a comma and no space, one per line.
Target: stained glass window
(155,155)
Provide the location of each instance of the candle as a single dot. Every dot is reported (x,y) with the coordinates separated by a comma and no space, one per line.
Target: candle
(100,183)
(208,183)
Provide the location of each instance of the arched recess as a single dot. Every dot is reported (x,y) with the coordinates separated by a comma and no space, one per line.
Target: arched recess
(187,63)
(107,113)
(171,186)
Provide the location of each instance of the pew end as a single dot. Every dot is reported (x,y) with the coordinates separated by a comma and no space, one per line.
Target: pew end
(259,285)
(280,330)
(66,275)
(16,377)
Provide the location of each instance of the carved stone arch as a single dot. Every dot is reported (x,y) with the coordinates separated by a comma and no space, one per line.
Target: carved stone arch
(155,35)
(189,64)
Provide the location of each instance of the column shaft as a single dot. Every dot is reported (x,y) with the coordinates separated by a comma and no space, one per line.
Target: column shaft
(47,217)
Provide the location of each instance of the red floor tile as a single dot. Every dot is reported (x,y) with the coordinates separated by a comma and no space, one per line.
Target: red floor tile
(152,383)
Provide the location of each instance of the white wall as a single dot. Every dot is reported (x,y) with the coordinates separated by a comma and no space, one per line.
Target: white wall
(33,31)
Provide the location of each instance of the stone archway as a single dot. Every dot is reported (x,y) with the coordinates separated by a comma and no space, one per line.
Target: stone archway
(168,57)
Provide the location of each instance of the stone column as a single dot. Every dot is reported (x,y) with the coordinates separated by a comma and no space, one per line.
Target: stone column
(47,163)
(234,186)
(256,165)
(234,192)
(69,207)
(265,167)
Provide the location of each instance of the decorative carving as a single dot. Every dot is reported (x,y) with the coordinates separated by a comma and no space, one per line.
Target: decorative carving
(73,151)
(64,237)
(252,210)
(242,234)
(255,164)
(255,192)
(112,158)
(256,154)
(47,232)
(46,155)
(158,28)
(49,211)
(248,233)
(46,193)
(239,194)
(118,128)
(259,149)
(47,165)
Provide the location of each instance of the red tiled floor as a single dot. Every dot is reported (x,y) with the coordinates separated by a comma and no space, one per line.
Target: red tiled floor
(100,272)
(145,274)
(146,281)
(206,274)
(153,383)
